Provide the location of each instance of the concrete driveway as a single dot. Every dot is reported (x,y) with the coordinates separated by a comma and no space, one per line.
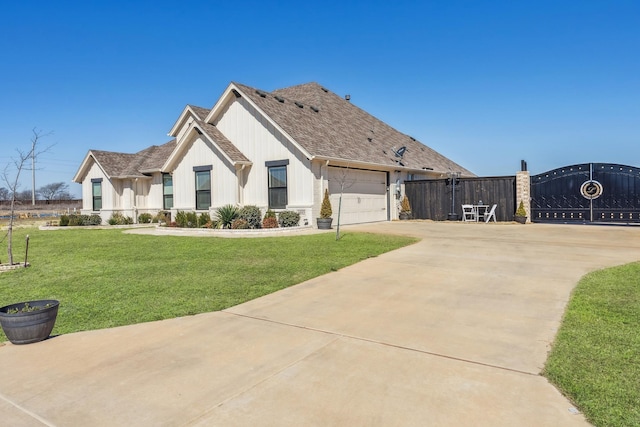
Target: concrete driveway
(451,331)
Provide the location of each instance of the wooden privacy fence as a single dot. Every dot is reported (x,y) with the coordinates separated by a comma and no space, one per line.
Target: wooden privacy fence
(432,199)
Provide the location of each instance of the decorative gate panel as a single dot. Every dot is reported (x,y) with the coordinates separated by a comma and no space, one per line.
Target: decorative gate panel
(590,192)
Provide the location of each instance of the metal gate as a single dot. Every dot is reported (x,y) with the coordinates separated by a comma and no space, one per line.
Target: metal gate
(590,192)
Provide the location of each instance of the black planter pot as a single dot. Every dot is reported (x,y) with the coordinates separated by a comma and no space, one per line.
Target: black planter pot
(404,215)
(31,326)
(520,219)
(324,223)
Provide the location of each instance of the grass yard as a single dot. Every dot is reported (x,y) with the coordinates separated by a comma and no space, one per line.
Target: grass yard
(104,278)
(595,360)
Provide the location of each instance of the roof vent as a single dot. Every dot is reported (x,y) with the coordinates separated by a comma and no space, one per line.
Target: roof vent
(279,99)
(299,105)
(400,151)
(347,97)
(261,93)
(236,93)
(412,138)
(315,110)
(371,139)
(325,90)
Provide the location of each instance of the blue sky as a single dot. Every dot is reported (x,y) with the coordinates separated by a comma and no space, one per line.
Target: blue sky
(485,83)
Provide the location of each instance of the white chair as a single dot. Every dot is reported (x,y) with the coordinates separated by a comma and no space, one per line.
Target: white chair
(491,214)
(468,213)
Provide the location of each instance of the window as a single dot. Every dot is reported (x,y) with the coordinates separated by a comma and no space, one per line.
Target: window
(167,191)
(203,187)
(277,175)
(96,185)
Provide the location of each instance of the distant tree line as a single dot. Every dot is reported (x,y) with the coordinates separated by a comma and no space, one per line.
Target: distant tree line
(51,192)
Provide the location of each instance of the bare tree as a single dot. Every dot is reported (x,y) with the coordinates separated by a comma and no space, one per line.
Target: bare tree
(345,183)
(13,181)
(54,191)
(4,193)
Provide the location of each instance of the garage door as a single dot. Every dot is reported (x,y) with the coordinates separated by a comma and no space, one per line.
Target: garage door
(364,197)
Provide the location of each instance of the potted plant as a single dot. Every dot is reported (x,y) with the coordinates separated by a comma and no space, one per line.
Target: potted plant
(405,209)
(521,214)
(325,220)
(30,321)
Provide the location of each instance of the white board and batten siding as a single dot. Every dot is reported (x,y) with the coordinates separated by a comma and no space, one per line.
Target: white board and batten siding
(223,178)
(254,135)
(108,194)
(364,198)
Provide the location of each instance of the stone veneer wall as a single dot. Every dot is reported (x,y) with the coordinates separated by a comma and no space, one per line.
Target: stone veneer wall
(523,191)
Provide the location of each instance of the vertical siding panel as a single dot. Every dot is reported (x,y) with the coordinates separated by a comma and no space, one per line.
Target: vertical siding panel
(256,137)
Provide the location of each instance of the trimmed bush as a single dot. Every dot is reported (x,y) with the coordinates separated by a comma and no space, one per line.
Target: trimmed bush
(95,219)
(64,220)
(162,216)
(240,224)
(145,218)
(405,206)
(204,220)
(270,222)
(269,214)
(181,219)
(252,215)
(117,218)
(192,220)
(75,220)
(225,215)
(325,210)
(288,219)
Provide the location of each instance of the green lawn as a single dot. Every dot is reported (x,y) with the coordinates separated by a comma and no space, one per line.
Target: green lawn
(104,278)
(595,360)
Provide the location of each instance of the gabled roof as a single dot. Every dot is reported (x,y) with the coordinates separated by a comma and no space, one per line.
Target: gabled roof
(125,165)
(330,127)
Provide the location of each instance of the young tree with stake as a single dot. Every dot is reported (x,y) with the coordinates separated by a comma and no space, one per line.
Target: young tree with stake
(13,181)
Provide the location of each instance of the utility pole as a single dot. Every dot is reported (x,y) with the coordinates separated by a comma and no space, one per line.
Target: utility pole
(33,171)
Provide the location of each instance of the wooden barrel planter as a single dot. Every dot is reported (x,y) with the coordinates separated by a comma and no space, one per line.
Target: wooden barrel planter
(33,321)
(324,223)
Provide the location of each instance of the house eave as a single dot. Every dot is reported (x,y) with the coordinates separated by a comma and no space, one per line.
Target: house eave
(84,167)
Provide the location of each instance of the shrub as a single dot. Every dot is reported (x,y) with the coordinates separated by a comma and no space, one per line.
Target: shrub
(75,220)
(145,218)
(325,210)
(117,218)
(269,214)
(64,220)
(162,216)
(204,220)
(225,215)
(240,224)
(192,220)
(521,211)
(270,222)
(95,219)
(405,206)
(288,219)
(181,219)
(252,215)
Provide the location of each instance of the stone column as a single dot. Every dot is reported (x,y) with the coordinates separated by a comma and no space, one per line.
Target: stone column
(523,192)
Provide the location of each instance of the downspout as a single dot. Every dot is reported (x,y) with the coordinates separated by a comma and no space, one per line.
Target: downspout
(135,208)
(388,198)
(240,177)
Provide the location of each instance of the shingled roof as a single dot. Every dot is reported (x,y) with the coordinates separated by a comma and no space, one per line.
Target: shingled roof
(124,165)
(328,126)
